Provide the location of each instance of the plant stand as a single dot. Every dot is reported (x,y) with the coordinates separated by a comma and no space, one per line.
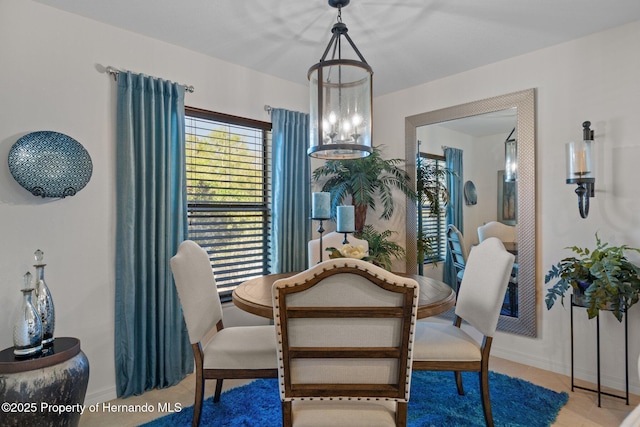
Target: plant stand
(626,356)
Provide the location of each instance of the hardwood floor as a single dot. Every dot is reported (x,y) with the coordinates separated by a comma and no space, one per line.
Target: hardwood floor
(581,410)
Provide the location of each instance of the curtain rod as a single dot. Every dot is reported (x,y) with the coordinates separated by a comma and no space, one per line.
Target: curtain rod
(114,72)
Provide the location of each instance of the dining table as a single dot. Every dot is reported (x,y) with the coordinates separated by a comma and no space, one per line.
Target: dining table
(254,295)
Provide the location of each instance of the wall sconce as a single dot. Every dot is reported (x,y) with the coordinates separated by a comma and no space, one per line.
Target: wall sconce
(340,97)
(580,168)
(511,158)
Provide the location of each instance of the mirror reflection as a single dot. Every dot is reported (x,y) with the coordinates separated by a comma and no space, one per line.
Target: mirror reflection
(490,143)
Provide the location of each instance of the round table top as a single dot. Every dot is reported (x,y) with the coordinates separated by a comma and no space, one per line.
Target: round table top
(254,295)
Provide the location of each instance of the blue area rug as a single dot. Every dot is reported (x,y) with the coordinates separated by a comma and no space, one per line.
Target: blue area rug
(434,402)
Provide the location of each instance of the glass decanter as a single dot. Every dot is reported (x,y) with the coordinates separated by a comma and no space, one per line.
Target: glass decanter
(44,302)
(27,329)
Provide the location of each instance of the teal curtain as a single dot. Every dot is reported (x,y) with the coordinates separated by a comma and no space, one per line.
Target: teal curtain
(152,348)
(453,162)
(291,201)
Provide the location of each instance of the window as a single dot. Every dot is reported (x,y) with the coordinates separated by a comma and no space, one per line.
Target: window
(229,194)
(434,227)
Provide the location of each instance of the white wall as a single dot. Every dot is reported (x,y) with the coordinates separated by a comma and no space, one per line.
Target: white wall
(50,80)
(593,78)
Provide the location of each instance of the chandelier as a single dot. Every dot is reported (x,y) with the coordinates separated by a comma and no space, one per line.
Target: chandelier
(340,96)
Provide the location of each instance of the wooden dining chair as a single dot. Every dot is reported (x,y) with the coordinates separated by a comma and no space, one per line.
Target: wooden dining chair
(345,335)
(236,352)
(458,251)
(447,347)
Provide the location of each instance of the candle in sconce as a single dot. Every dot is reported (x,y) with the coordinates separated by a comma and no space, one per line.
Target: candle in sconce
(346,219)
(578,160)
(320,205)
(581,162)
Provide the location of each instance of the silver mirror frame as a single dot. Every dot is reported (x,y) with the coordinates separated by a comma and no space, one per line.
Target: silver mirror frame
(524,101)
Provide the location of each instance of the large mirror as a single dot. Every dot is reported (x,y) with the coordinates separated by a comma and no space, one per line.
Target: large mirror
(482,129)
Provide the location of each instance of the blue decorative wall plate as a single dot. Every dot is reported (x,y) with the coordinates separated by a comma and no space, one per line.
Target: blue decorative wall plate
(50,164)
(470,195)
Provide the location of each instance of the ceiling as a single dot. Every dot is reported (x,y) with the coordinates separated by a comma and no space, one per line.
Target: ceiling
(406,42)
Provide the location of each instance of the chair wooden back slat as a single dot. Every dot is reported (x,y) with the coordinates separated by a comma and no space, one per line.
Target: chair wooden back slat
(344,312)
(345,352)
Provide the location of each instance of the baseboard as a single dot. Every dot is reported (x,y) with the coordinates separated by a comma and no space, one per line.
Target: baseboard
(100,396)
(582,375)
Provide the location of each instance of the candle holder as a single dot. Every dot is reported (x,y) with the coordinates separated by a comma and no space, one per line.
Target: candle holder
(345,241)
(580,168)
(320,230)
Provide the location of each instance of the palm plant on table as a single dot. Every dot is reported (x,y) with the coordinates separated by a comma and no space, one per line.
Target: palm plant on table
(367,180)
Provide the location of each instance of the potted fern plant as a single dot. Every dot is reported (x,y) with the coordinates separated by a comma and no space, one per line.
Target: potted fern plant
(381,249)
(601,279)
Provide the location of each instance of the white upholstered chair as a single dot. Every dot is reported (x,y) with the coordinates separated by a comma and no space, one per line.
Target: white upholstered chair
(236,352)
(504,232)
(332,239)
(345,332)
(447,347)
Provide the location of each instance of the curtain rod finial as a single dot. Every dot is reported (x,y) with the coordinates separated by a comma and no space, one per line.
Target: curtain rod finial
(113,71)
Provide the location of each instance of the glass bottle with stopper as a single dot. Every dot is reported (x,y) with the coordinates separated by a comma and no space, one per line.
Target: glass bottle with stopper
(44,301)
(27,329)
